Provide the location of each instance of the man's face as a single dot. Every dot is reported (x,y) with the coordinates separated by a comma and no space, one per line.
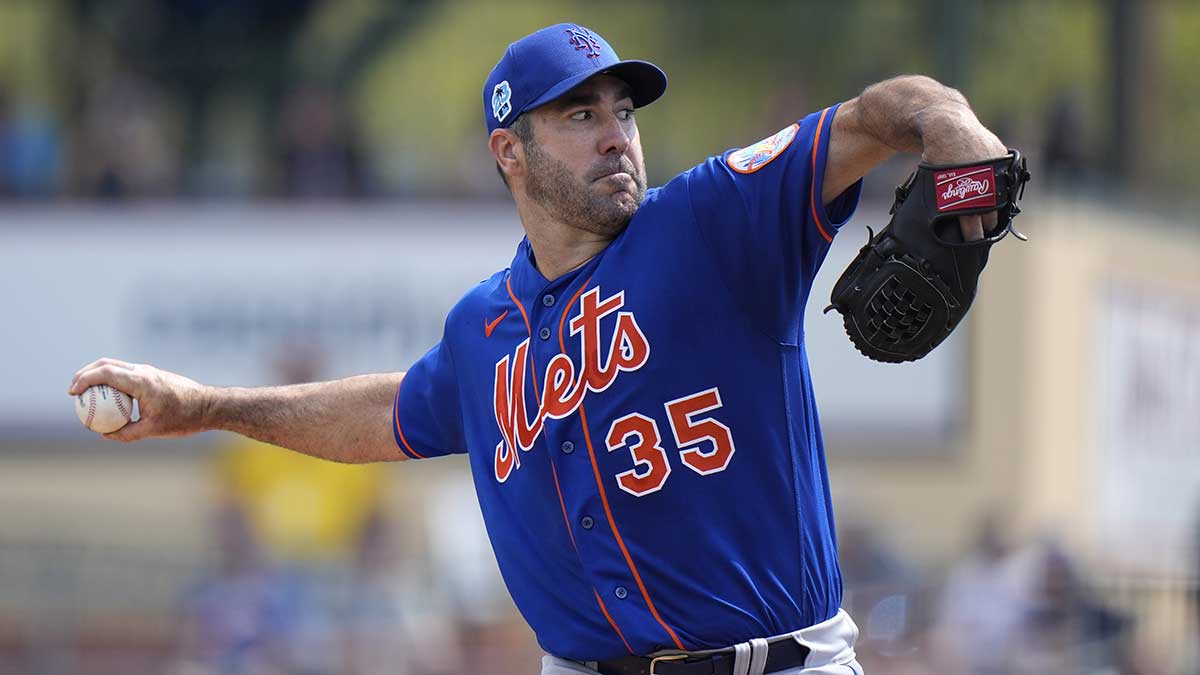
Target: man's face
(584,161)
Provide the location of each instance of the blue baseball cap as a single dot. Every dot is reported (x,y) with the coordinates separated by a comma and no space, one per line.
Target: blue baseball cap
(544,65)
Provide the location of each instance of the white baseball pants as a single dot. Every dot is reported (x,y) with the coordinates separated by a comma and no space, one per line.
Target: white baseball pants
(830,644)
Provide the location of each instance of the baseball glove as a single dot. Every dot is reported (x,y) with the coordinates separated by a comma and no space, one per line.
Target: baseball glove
(914,281)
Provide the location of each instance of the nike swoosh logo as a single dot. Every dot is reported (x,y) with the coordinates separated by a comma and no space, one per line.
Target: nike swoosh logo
(488,327)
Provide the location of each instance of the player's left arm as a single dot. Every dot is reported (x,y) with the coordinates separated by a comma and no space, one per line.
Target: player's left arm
(911,113)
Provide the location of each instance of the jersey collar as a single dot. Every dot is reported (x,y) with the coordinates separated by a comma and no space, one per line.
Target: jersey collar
(528,283)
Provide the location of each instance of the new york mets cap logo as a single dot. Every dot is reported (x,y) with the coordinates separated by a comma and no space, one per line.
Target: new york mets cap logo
(501,101)
(754,157)
(582,39)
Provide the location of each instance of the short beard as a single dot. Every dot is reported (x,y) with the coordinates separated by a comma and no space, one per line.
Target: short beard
(549,183)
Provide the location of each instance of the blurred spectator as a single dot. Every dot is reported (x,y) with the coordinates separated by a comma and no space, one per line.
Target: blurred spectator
(1067,629)
(982,606)
(30,151)
(127,149)
(867,561)
(1063,153)
(310,516)
(392,623)
(306,511)
(237,616)
(6,177)
(320,155)
(875,576)
(883,593)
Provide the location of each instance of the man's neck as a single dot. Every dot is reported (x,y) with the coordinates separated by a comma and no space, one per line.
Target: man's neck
(558,247)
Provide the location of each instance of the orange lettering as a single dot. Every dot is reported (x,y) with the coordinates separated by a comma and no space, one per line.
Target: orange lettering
(630,349)
(527,432)
(504,411)
(563,392)
(591,310)
(565,387)
(505,461)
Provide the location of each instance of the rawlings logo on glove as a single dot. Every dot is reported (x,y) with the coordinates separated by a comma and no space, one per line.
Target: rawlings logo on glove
(965,189)
(914,281)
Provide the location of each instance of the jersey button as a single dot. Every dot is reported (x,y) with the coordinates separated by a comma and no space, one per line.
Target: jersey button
(621,593)
(568,447)
(548,300)
(544,333)
(587,522)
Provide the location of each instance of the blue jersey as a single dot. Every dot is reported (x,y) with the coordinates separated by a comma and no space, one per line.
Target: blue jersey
(641,430)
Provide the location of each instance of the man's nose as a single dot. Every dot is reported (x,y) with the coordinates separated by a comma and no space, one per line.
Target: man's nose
(616,138)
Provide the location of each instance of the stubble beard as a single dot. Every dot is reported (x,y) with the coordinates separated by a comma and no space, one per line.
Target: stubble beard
(550,183)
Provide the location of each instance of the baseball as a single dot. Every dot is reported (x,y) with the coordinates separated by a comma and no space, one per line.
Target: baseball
(103,409)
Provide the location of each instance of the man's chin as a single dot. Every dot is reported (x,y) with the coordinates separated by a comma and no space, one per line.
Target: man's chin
(612,214)
(626,201)
(622,208)
(624,194)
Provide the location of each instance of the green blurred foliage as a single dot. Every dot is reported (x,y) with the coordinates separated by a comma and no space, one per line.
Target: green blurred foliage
(27,55)
(1175,130)
(1027,52)
(738,71)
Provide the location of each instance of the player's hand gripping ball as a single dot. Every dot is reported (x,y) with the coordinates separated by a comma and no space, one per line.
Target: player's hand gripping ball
(103,409)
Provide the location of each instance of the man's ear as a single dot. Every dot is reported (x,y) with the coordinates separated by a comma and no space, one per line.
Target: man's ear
(509,152)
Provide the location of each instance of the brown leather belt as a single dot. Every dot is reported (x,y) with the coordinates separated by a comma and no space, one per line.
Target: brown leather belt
(781,655)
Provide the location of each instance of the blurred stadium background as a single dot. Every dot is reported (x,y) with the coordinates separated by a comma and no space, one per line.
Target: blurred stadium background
(256,192)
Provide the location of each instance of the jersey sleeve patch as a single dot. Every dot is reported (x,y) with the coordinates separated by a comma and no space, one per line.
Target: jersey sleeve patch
(754,157)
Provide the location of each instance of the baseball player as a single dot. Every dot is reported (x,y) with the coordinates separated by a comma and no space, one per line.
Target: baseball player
(633,391)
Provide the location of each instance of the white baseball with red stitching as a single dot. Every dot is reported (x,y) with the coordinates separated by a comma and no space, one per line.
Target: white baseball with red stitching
(103,409)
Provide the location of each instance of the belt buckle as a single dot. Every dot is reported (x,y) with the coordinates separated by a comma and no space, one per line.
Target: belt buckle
(672,657)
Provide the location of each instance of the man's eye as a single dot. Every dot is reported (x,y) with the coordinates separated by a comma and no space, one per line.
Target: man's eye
(627,113)
(581,115)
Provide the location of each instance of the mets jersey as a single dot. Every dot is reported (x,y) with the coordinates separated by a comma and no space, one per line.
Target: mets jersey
(641,431)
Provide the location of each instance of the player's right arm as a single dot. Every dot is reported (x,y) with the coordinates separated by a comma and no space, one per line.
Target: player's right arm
(347,420)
